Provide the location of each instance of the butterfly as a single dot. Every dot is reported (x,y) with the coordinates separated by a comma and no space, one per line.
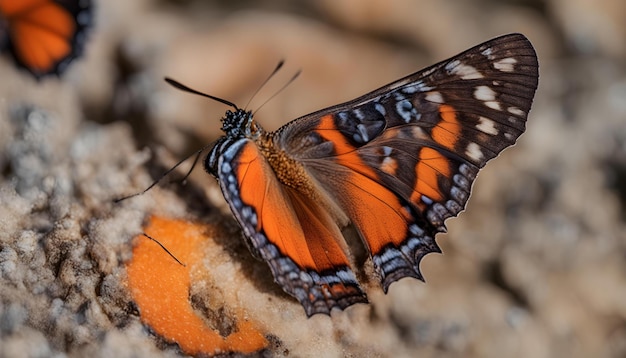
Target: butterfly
(44,36)
(395,163)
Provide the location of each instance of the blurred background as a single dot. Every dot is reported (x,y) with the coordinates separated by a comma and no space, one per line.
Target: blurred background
(535,267)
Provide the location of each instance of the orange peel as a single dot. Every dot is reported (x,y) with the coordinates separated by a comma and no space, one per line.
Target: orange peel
(160,287)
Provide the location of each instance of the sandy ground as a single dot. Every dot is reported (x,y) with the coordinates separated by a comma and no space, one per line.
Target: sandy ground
(535,267)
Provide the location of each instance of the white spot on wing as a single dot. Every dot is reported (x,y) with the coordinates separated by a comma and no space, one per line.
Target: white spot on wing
(389,165)
(486,125)
(418,133)
(426,200)
(473,151)
(466,72)
(488,96)
(484,93)
(493,105)
(363,132)
(380,109)
(488,53)
(452,64)
(505,64)
(516,111)
(434,97)
(418,86)
(405,109)
(358,114)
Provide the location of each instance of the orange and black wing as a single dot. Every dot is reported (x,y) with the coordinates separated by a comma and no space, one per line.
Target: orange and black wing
(298,238)
(402,159)
(44,36)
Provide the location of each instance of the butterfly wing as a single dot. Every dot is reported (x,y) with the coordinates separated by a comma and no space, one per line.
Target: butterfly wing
(299,239)
(44,35)
(402,159)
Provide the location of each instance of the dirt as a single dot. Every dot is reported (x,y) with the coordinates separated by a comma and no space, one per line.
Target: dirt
(535,267)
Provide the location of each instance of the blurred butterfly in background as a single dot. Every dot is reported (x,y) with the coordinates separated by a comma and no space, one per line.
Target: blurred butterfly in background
(44,36)
(395,163)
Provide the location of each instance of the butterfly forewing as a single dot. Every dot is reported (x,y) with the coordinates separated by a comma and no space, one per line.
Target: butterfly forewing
(44,36)
(298,238)
(395,163)
(412,149)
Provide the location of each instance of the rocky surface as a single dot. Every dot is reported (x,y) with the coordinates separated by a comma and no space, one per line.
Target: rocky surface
(535,267)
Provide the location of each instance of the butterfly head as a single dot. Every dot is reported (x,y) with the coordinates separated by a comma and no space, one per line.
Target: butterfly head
(240,124)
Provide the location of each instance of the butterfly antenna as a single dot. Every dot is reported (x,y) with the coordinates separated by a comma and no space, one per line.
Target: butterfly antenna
(164,248)
(196,153)
(293,78)
(182,87)
(183,181)
(276,69)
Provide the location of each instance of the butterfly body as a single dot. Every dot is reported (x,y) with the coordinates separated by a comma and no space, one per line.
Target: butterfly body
(394,163)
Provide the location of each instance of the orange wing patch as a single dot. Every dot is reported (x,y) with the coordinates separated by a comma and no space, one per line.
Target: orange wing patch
(373,203)
(376,212)
(160,287)
(295,234)
(329,132)
(431,164)
(54,45)
(44,33)
(301,229)
(346,154)
(447,132)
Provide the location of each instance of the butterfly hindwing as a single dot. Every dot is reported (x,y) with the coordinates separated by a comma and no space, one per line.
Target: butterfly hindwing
(410,151)
(298,239)
(44,35)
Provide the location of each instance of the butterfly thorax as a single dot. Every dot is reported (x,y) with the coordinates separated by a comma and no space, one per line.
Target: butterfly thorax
(288,171)
(240,124)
